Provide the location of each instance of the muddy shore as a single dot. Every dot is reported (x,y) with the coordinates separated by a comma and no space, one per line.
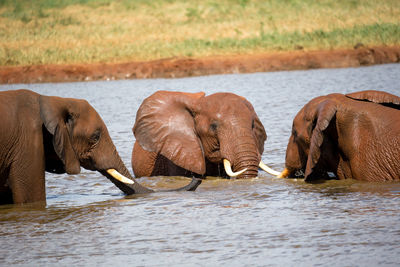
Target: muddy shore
(186,67)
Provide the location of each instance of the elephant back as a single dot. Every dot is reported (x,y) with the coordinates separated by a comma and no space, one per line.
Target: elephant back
(378,97)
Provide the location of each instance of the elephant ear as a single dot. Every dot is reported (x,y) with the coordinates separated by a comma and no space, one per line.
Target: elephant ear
(325,111)
(378,97)
(58,120)
(258,127)
(260,133)
(164,124)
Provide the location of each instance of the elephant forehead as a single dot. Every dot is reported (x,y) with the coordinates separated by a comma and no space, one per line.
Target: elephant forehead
(301,118)
(88,117)
(226,109)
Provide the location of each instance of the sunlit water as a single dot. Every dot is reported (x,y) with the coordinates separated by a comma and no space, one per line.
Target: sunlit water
(259,222)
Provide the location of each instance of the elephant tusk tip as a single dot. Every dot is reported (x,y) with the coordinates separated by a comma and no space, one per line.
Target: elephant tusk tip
(242,171)
(284,173)
(115,174)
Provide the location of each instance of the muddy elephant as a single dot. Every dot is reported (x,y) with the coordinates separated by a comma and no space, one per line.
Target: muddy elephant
(58,135)
(352,136)
(189,134)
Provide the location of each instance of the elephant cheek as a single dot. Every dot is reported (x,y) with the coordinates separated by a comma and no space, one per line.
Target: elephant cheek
(211,148)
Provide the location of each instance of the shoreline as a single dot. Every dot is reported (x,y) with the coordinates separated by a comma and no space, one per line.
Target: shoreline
(188,67)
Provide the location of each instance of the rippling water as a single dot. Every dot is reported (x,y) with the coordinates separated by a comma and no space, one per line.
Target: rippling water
(259,222)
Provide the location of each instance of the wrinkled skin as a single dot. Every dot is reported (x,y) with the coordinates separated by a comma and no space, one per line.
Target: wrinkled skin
(353,136)
(58,135)
(190,134)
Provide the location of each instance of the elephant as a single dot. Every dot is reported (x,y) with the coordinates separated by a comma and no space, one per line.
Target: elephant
(351,136)
(59,135)
(190,134)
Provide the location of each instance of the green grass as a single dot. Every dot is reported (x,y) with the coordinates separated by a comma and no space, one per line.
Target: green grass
(72,31)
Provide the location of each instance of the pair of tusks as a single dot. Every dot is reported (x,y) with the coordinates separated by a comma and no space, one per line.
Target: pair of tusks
(114,173)
(262,165)
(228,169)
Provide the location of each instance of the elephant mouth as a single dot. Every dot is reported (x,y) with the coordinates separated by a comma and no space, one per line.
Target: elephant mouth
(88,164)
(214,156)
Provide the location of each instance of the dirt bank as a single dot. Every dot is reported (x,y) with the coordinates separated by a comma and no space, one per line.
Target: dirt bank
(184,67)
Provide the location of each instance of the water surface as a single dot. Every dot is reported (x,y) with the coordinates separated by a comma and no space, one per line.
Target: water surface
(260,222)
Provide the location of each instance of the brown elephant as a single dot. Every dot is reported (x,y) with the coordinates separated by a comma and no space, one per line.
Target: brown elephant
(58,135)
(352,136)
(189,134)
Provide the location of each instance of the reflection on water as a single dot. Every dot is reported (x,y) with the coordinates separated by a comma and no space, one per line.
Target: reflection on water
(262,221)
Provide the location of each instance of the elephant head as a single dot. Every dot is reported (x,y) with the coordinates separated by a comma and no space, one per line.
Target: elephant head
(342,135)
(198,133)
(75,135)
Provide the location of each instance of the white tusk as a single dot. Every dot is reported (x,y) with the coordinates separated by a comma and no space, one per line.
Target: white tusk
(268,169)
(228,169)
(114,173)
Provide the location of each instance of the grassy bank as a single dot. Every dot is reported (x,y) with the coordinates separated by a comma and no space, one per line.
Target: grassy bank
(77,31)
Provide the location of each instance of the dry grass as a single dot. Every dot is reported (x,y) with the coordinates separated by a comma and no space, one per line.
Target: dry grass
(105,30)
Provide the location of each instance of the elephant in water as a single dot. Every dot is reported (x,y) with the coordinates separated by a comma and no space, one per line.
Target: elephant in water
(353,136)
(189,134)
(59,135)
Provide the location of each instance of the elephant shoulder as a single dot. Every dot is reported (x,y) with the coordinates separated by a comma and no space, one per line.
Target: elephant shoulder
(378,97)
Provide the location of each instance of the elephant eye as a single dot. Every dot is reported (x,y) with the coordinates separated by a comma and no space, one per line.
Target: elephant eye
(68,118)
(213,126)
(252,124)
(95,136)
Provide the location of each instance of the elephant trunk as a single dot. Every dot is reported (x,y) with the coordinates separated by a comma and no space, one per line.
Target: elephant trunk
(127,187)
(249,162)
(245,157)
(130,185)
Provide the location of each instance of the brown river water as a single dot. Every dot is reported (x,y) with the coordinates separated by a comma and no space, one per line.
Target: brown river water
(265,221)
